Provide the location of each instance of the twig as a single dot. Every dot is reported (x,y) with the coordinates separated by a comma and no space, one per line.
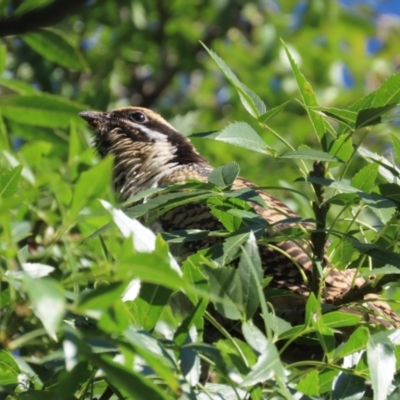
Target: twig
(40,17)
(372,286)
(318,236)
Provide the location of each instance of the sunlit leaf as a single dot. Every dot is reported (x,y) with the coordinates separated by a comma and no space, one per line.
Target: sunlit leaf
(382,364)
(48,302)
(365,178)
(9,182)
(239,134)
(314,155)
(252,103)
(9,369)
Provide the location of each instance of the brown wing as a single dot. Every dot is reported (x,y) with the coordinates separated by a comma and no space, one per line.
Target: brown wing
(288,263)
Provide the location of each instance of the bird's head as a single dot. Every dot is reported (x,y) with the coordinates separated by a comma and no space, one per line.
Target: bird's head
(145,146)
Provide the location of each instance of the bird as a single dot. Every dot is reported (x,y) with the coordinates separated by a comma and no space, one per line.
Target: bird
(149,153)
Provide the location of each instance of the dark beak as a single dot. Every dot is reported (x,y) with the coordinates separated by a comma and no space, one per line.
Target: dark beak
(95,118)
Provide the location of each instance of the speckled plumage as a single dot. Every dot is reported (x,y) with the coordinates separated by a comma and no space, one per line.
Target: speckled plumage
(149,152)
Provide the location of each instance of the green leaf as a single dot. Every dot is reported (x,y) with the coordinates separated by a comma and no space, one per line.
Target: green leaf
(347,117)
(9,369)
(387,170)
(272,113)
(90,185)
(309,385)
(384,256)
(268,364)
(155,354)
(131,382)
(249,261)
(396,146)
(4,137)
(314,155)
(371,116)
(9,182)
(365,178)
(239,134)
(338,319)
(342,148)
(102,297)
(341,185)
(224,176)
(391,191)
(48,302)
(252,103)
(370,107)
(308,97)
(226,252)
(3,58)
(55,46)
(357,342)
(348,386)
(225,286)
(382,365)
(115,319)
(18,86)
(41,110)
(28,5)
(150,304)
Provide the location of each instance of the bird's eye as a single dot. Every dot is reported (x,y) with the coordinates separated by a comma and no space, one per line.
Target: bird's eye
(138,117)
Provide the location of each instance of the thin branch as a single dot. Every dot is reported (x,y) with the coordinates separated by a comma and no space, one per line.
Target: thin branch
(48,15)
(373,286)
(319,236)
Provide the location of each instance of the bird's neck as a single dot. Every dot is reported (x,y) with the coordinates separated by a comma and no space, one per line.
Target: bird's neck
(152,167)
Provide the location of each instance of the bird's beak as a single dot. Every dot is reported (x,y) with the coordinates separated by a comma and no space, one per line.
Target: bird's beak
(95,118)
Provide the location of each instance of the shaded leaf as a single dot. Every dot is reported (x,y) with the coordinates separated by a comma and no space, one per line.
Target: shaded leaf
(224,176)
(225,286)
(55,46)
(133,383)
(371,116)
(40,109)
(250,261)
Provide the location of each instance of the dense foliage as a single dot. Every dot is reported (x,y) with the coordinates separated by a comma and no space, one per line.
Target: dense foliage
(85,288)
